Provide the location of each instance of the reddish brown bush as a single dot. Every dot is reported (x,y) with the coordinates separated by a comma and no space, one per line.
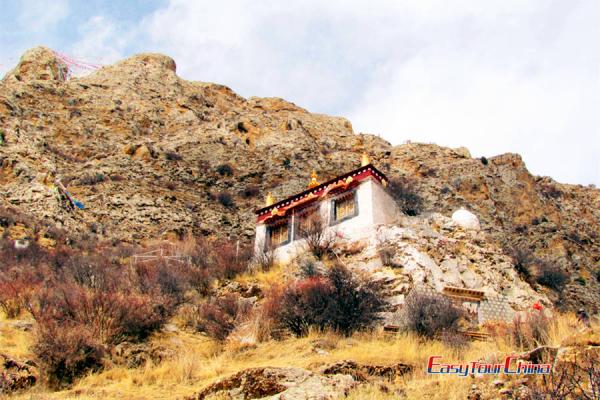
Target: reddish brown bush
(12,293)
(232,258)
(250,191)
(430,314)
(110,316)
(304,304)
(85,299)
(340,301)
(32,255)
(218,317)
(66,353)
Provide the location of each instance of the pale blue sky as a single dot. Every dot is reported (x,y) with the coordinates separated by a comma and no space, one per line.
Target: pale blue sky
(494,76)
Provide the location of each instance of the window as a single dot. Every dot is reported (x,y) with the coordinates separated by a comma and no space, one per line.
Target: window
(306,222)
(279,234)
(345,207)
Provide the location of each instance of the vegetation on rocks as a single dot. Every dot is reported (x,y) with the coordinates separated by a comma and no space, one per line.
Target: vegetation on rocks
(76,299)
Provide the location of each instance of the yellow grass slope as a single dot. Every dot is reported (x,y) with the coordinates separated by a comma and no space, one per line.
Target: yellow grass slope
(199,361)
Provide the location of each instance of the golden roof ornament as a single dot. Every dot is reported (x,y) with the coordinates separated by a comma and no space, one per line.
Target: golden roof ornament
(270,200)
(365,160)
(313,180)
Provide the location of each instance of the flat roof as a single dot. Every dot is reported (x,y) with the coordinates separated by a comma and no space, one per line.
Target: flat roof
(369,167)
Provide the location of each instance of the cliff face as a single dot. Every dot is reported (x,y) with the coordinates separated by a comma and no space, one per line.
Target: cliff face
(152,155)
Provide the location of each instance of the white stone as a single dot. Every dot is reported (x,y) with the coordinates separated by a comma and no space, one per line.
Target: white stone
(21,244)
(396,300)
(466,219)
(470,279)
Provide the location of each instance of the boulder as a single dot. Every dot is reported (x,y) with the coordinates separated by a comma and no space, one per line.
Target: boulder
(466,219)
(135,355)
(270,383)
(364,372)
(16,375)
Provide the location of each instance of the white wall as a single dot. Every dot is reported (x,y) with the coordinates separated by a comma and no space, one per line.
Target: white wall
(385,209)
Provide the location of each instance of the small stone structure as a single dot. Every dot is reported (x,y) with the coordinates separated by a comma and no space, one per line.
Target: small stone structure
(480,307)
(495,309)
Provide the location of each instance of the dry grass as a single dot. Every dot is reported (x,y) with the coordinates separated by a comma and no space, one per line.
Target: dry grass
(274,276)
(199,361)
(14,342)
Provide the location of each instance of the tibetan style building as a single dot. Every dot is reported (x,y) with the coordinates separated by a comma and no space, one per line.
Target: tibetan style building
(349,206)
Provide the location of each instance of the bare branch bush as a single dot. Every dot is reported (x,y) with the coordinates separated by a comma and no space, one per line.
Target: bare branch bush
(319,239)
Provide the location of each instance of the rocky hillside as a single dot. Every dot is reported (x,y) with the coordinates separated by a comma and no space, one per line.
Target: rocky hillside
(153,155)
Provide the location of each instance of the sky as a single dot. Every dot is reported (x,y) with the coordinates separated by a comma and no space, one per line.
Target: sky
(493,76)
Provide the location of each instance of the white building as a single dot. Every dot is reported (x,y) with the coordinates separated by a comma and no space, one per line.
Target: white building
(350,205)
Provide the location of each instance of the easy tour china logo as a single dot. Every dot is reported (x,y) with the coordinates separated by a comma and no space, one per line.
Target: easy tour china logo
(510,366)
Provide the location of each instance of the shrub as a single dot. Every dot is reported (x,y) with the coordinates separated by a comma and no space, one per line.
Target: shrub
(308,266)
(597,273)
(265,258)
(232,258)
(12,292)
(250,191)
(551,191)
(581,280)
(66,353)
(484,160)
(304,304)
(319,239)
(171,185)
(551,275)
(226,199)
(386,253)
(431,314)
(529,332)
(454,340)
(339,301)
(218,317)
(92,179)
(7,217)
(173,156)
(523,259)
(225,170)
(576,377)
(111,317)
(403,192)
(117,178)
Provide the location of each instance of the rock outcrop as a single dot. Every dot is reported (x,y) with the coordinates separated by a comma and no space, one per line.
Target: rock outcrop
(433,252)
(270,383)
(152,155)
(16,375)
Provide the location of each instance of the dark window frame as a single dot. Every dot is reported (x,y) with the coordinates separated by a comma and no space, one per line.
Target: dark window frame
(333,220)
(269,243)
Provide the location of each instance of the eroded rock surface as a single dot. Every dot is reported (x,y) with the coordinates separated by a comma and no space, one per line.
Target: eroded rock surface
(16,374)
(270,383)
(143,149)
